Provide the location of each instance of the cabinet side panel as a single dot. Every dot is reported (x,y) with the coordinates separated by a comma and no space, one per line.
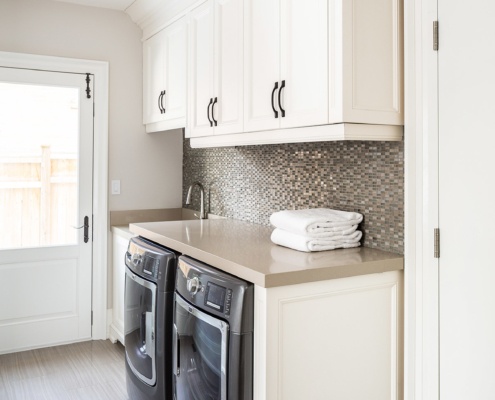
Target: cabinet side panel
(373,61)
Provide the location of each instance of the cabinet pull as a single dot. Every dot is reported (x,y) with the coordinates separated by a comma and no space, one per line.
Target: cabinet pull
(161,101)
(208,112)
(279,100)
(273,103)
(213,111)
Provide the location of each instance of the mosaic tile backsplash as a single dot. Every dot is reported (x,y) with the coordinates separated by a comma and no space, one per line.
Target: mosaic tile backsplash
(251,182)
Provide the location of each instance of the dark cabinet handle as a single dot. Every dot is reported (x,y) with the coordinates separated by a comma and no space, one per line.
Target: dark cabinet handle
(208,112)
(273,103)
(86,229)
(213,111)
(161,101)
(279,100)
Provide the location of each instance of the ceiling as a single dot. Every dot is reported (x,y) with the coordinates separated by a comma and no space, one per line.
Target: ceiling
(112,4)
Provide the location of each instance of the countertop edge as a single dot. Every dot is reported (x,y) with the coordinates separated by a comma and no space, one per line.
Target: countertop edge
(394,262)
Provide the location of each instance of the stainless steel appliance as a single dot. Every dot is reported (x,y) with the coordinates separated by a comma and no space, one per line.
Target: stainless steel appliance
(213,334)
(148,319)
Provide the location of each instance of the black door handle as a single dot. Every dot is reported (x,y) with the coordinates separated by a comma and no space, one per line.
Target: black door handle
(279,102)
(86,229)
(208,112)
(161,101)
(213,111)
(273,103)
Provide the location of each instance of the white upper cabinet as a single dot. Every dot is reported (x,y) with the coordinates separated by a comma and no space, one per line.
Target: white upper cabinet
(164,86)
(215,69)
(366,61)
(277,71)
(286,53)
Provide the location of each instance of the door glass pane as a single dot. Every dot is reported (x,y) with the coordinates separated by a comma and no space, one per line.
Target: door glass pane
(39,135)
(200,354)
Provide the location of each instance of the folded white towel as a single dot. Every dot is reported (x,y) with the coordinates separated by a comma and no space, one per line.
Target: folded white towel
(315,221)
(307,243)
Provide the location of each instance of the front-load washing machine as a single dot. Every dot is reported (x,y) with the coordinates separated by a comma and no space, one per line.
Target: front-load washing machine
(148,319)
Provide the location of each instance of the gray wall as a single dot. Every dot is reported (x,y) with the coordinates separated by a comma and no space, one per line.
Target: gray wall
(252,182)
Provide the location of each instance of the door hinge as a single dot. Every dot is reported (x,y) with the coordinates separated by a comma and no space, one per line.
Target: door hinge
(436,246)
(435,35)
(88,90)
(91,317)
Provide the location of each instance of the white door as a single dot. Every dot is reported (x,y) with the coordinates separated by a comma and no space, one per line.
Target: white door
(304,63)
(154,78)
(201,70)
(228,109)
(466,60)
(262,64)
(46,169)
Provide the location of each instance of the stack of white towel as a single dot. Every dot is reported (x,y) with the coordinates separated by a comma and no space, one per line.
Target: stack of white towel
(316,229)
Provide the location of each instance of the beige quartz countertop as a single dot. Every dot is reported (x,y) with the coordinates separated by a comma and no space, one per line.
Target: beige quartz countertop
(244,249)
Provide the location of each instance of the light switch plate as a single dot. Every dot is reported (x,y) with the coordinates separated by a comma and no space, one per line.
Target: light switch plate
(116,187)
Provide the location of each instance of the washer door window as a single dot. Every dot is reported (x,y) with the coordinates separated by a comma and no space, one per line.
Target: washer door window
(200,354)
(139,326)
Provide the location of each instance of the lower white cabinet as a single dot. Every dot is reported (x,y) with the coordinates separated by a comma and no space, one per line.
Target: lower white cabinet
(335,339)
(120,241)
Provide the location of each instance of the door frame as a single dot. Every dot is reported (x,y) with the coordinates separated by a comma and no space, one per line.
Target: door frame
(421,357)
(100,71)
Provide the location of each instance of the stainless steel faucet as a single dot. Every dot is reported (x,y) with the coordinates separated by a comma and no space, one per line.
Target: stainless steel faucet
(202,214)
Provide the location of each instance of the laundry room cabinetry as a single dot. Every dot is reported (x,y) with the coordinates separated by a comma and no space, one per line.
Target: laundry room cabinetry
(329,70)
(286,53)
(335,339)
(215,74)
(165,78)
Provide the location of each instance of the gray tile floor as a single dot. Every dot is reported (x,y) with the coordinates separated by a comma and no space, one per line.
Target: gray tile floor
(92,370)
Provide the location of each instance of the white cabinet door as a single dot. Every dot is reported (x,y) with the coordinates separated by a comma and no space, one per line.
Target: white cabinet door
(262,64)
(174,99)
(165,73)
(215,69)
(228,109)
(304,63)
(201,45)
(154,61)
(336,339)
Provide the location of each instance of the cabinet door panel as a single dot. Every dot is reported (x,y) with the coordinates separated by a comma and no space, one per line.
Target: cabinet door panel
(229,66)
(304,62)
(262,63)
(200,69)
(174,100)
(154,59)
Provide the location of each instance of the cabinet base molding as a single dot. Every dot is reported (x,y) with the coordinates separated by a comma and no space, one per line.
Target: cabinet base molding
(321,133)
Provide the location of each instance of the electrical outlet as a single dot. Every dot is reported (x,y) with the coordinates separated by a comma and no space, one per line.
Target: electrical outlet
(116,187)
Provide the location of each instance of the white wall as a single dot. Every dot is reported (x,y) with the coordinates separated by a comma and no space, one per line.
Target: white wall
(149,166)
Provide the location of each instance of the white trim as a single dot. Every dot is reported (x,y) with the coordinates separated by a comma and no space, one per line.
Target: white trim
(100,168)
(421,203)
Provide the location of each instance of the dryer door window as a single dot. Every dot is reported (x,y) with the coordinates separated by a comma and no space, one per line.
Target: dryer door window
(139,326)
(200,354)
